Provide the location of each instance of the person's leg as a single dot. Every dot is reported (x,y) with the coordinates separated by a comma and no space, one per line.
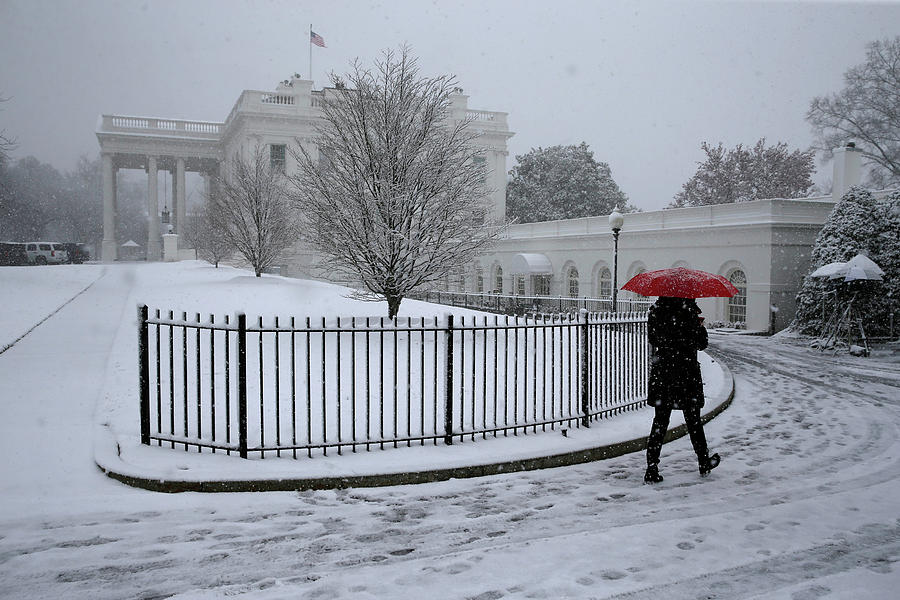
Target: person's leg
(695,430)
(657,434)
(698,440)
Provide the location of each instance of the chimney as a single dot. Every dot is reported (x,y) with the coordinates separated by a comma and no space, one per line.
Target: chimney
(846,170)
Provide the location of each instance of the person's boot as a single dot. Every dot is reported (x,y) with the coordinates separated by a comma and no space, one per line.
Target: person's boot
(708,463)
(652,475)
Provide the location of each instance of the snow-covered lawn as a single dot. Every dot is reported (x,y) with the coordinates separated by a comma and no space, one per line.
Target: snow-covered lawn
(28,296)
(804,504)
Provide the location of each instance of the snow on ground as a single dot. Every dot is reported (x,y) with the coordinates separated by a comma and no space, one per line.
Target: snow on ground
(803,506)
(25,299)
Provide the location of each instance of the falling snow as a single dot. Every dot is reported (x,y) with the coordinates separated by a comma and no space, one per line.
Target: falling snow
(803,505)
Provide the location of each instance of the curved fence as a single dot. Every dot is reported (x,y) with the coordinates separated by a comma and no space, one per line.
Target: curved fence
(302,387)
(521,305)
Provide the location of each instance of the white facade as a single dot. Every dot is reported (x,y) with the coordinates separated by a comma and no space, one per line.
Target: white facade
(284,117)
(766,244)
(770,241)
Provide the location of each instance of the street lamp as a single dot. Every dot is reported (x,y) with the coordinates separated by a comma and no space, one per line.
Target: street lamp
(616,220)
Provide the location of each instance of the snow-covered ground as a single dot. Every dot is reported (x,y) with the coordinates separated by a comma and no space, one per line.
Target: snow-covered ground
(805,504)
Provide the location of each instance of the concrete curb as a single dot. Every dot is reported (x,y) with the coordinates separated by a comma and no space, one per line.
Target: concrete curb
(424,476)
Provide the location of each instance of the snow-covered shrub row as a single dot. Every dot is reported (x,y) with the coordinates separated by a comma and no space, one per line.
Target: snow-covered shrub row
(726,324)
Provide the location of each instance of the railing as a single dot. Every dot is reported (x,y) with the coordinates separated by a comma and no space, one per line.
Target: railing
(521,305)
(481,115)
(291,387)
(276,99)
(111,123)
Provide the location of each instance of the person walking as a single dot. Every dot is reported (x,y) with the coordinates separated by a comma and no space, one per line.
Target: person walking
(675,331)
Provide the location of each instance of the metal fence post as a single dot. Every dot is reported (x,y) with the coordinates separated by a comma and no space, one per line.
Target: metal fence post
(585,373)
(144,358)
(242,385)
(448,390)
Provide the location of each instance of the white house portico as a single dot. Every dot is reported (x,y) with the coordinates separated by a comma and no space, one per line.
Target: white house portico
(154,145)
(272,120)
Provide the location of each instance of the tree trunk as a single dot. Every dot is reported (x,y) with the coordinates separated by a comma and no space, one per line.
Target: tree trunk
(259,273)
(393,305)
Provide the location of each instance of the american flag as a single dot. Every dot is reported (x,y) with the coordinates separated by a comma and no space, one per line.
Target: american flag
(316,39)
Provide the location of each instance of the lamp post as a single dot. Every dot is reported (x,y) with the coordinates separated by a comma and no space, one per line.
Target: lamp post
(616,220)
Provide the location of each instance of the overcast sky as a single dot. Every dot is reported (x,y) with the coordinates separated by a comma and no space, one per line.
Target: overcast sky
(643,83)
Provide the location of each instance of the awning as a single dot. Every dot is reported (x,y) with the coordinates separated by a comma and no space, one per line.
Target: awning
(531,264)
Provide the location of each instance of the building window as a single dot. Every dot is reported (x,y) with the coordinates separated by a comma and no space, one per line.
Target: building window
(459,280)
(498,280)
(479,280)
(541,285)
(572,281)
(520,285)
(604,288)
(481,162)
(276,157)
(737,304)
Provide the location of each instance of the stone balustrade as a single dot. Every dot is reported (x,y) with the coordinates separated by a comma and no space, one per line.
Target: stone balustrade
(151,125)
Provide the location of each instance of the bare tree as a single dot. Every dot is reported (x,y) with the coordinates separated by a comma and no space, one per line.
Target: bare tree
(395,197)
(7,143)
(253,209)
(866,111)
(206,234)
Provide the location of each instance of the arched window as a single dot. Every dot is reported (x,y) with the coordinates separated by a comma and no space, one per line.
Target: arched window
(498,280)
(737,304)
(604,284)
(572,282)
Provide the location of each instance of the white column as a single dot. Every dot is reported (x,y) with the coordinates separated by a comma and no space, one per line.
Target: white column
(206,186)
(178,184)
(108,246)
(153,239)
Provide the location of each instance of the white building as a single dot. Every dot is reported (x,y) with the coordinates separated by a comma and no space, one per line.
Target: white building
(762,246)
(269,119)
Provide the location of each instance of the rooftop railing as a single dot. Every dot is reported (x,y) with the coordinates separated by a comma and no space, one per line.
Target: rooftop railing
(159,126)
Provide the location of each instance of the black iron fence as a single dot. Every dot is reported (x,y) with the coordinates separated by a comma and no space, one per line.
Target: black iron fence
(521,305)
(305,386)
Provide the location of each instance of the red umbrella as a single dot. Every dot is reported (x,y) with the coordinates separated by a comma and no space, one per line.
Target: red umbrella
(681,283)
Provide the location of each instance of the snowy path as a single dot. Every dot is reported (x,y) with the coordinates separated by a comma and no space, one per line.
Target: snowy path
(804,505)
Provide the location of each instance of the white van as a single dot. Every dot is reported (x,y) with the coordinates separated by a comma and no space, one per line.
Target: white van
(46,253)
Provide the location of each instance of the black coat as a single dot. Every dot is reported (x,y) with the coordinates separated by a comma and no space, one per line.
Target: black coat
(676,334)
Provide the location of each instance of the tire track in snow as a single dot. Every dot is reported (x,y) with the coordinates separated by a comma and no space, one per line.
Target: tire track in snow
(59,308)
(873,547)
(730,353)
(815,363)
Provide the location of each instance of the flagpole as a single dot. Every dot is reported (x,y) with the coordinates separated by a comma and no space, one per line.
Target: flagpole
(309,37)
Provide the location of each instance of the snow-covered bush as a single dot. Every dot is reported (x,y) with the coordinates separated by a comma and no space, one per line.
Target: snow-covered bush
(858,224)
(726,325)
